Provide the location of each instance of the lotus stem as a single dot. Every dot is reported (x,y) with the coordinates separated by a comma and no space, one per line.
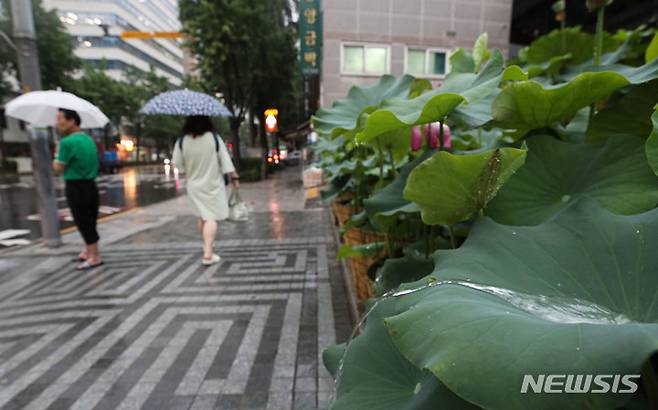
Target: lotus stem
(453,243)
(426,232)
(392,161)
(381,162)
(563,28)
(598,38)
(441,135)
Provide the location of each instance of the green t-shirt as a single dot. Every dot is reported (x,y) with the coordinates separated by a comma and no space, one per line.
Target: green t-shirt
(78,153)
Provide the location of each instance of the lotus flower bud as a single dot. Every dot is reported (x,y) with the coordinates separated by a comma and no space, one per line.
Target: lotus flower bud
(593,5)
(435,131)
(416,138)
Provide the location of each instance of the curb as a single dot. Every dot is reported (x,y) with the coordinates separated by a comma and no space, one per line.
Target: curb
(348,278)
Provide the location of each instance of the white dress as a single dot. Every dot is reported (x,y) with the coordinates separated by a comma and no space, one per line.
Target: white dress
(204,170)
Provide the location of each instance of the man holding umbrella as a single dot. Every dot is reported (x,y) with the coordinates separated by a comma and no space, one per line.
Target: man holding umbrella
(77,159)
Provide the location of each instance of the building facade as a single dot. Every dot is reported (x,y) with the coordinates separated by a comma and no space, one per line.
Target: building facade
(364,39)
(87,21)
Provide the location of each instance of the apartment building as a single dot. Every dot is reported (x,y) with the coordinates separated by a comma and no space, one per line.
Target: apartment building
(97,25)
(364,39)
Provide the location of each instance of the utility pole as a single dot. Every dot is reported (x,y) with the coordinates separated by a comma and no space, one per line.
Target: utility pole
(30,77)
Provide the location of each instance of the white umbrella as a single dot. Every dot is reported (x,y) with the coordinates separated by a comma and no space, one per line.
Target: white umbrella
(39,108)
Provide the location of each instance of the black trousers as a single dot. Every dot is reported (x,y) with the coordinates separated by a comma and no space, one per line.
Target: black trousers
(82,197)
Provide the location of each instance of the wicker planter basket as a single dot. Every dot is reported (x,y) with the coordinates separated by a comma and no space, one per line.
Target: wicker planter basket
(353,236)
(360,266)
(342,212)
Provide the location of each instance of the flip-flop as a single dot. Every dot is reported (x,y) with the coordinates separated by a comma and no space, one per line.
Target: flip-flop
(86,265)
(78,259)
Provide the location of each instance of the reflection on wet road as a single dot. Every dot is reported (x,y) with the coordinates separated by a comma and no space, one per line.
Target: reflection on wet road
(131,187)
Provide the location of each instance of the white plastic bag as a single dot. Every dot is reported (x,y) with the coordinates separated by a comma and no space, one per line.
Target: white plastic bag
(238,210)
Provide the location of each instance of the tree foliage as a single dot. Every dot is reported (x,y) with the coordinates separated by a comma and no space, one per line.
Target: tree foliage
(245,50)
(54,44)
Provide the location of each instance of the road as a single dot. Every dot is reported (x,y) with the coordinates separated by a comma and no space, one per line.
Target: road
(131,187)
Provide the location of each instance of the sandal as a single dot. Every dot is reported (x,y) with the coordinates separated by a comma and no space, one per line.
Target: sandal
(86,265)
(78,259)
(207,262)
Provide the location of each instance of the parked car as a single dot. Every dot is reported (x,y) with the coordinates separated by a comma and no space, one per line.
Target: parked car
(293,158)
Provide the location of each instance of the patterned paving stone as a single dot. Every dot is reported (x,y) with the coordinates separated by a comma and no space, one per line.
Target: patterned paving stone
(153,329)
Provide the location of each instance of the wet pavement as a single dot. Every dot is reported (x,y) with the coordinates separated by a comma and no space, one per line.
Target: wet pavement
(153,329)
(130,188)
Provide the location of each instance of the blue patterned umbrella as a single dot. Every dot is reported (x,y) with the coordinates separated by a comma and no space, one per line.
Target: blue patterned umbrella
(185,103)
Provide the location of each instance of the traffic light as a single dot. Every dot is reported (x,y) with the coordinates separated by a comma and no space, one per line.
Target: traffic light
(271,121)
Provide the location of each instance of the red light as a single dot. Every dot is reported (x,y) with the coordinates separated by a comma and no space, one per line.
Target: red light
(269,159)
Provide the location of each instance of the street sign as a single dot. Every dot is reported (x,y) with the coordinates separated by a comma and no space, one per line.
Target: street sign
(310,36)
(145,35)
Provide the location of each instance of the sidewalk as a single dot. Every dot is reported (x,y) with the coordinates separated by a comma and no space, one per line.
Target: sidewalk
(152,329)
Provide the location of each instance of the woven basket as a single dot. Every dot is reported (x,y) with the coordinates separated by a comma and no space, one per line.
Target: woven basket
(360,266)
(353,236)
(362,282)
(342,212)
(374,236)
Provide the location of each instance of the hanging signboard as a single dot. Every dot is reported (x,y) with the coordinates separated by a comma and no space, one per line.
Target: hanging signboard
(310,36)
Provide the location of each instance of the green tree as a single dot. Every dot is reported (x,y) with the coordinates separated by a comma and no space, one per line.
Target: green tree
(278,82)
(121,101)
(55,45)
(244,50)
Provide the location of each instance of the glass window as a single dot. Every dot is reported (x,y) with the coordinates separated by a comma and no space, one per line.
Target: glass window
(426,62)
(416,61)
(376,60)
(363,59)
(353,59)
(438,62)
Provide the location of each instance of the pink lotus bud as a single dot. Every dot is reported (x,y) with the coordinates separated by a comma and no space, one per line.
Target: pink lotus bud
(416,139)
(435,130)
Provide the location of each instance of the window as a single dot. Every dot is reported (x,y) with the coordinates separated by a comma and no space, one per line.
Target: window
(365,59)
(21,125)
(427,62)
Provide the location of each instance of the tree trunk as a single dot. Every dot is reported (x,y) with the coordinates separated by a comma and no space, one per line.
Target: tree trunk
(253,132)
(264,147)
(235,134)
(2,147)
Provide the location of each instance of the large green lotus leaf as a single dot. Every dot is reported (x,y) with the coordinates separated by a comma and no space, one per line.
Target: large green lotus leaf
(528,105)
(450,188)
(410,268)
(461,61)
(558,173)
(610,58)
(651,146)
(652,51)
(550,67)
(376,376)
(481,51)
(401,114)
(575,295)
(629,115)
(390,200)
(343,117)
(578,44)
(576,130)
(634,75)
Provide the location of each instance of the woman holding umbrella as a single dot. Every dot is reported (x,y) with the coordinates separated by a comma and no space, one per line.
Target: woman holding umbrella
(204,159)
(202,155)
